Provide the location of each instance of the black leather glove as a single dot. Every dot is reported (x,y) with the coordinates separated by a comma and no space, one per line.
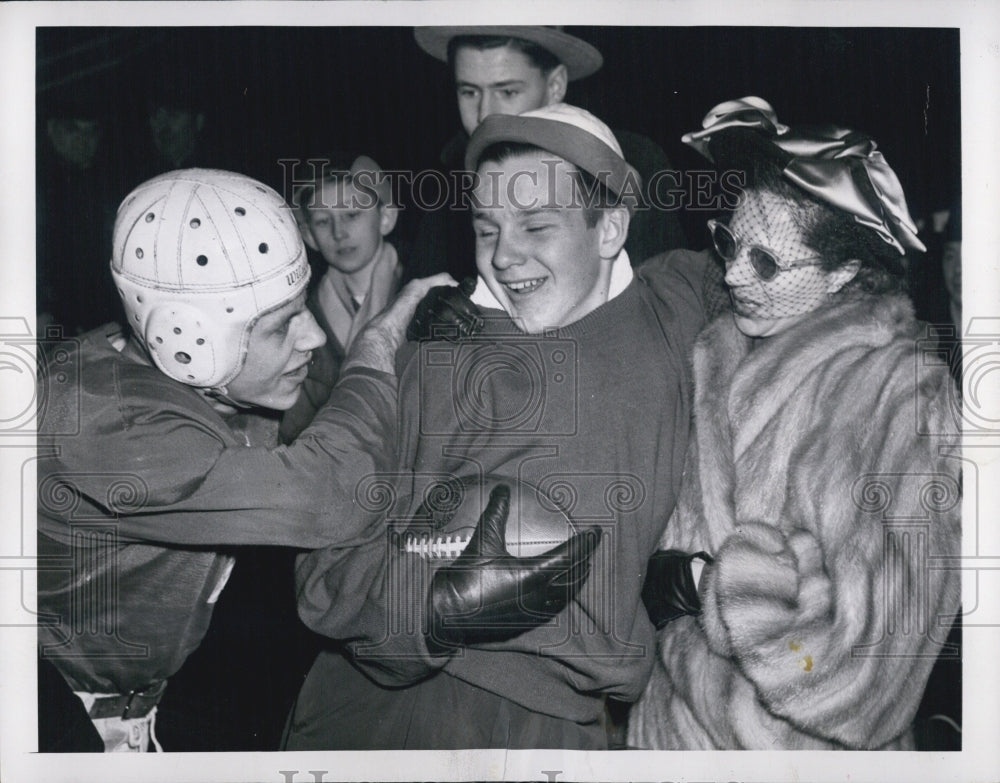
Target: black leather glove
(446,313)
(488,595)
(670,591)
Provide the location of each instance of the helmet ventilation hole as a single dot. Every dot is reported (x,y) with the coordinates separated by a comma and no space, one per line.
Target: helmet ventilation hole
(182,357)
(229,309)
(200,341)
(138,252)
(159,340)
(150,217)
(195,223)
(262,247)
(240,211)
(202,260)
(177,330)
(138,298)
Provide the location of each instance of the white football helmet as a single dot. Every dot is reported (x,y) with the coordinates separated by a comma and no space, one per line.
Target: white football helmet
(198,256)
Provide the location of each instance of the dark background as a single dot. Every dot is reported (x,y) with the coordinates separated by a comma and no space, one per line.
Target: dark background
(272,93)
(281,92)
(284,92)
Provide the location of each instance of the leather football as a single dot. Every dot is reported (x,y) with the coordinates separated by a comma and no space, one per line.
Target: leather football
(448,512)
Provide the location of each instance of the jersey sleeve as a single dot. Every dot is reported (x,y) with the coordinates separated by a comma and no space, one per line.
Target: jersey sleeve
(165,473)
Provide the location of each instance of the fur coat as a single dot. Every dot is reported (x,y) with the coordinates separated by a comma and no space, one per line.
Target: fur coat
(817,482)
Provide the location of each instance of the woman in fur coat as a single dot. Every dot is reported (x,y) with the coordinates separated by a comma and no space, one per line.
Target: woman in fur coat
(823,479)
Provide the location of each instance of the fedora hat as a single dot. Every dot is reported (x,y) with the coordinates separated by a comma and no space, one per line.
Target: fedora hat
(580,58)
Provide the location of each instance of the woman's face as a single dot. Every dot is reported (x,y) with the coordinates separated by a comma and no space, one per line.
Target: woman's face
(767,307)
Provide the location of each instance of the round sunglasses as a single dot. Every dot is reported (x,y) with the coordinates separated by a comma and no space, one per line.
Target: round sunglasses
(764,262)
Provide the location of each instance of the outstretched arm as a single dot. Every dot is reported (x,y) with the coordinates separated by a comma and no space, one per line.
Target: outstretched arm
(186,484)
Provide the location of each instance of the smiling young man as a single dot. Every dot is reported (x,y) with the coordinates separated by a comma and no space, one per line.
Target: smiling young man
(512,70)
(157,451)
(577,385)
(549,263)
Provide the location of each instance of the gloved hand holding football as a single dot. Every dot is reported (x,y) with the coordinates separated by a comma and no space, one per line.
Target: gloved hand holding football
(488,595)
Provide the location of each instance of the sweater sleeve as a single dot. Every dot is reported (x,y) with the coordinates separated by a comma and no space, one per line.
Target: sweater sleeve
(653,229)
(166,474)
(834,612)
(689,282)
(373,598)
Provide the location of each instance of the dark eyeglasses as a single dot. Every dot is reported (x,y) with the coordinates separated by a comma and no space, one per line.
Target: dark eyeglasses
(764,262)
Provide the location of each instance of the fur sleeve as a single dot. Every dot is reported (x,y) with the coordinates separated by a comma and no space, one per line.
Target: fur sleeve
(831,609)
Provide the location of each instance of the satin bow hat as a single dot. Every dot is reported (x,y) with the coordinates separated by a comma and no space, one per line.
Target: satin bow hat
(580,58)
(838,166)
(572,133)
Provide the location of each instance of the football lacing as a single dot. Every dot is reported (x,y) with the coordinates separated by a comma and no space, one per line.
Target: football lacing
(435,546)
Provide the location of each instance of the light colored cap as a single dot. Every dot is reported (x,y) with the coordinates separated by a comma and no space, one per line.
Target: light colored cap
(570,132)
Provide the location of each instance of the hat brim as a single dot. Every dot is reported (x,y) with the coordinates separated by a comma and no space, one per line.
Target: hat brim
(580,58)
(573,144)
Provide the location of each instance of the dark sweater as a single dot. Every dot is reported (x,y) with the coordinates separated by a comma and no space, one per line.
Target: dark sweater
(599,416)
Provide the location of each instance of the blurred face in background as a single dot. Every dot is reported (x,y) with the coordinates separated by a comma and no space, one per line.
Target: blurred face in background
(346,226)
(502,80)
(175,132)
(75,140)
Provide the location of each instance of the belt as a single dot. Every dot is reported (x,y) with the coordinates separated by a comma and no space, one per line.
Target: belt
(134,704)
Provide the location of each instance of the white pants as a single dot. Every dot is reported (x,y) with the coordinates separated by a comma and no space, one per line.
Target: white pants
(123,735)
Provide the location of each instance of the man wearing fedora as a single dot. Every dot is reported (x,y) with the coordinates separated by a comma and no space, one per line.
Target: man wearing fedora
(511,70)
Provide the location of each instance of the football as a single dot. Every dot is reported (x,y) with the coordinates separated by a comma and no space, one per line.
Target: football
(448,512)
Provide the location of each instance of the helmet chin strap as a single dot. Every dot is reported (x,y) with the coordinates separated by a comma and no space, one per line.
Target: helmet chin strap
(219,397)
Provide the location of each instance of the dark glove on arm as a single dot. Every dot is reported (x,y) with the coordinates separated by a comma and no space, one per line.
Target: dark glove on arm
(446,313)
(488,595)
(669,591)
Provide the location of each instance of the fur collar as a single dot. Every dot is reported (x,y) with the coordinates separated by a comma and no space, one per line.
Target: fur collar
(746,382)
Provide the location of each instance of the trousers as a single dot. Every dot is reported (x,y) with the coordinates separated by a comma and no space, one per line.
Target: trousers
(339,708)
(124,735)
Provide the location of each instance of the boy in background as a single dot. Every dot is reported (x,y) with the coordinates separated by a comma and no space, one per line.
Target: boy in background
(344,215)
